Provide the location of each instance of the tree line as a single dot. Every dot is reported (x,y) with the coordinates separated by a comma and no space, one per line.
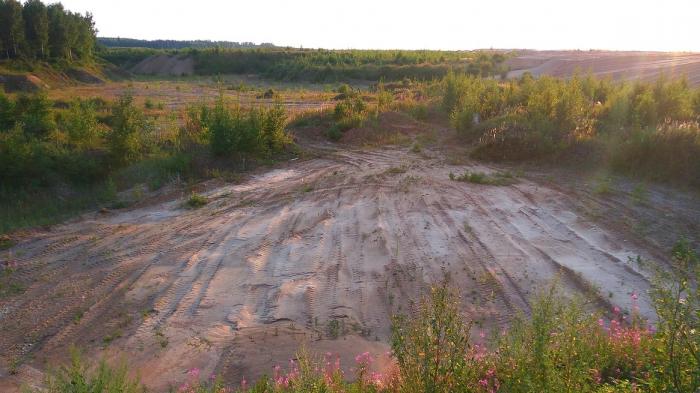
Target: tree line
(37,31)
(118,42)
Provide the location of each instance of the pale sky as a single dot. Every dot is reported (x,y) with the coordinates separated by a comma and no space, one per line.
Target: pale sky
(665,25)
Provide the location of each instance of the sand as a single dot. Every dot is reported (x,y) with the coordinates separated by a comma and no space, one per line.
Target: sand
(237,286)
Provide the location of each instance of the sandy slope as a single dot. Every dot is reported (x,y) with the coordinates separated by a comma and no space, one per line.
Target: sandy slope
(235,287)
(617,65)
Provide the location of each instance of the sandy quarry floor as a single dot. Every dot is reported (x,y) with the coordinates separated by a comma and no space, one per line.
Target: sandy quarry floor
(237,286)
(647,66)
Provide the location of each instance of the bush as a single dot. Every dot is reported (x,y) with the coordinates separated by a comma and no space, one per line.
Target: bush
(671,154)
(258,131)
(34,112)
(646,128)
(126,137)
(430,347)
(196,201)
(676,297)
(350,113)
(77,377)
(81,124)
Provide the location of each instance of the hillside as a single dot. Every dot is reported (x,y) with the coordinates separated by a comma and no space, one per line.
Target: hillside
(645,66)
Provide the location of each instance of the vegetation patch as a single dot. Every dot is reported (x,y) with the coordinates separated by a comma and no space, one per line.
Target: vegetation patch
(196,201)
(492,179)
(645,129)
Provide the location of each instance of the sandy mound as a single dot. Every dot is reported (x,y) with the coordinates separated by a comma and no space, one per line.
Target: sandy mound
(84,76)
(165,65)
(321,252)
(618,65)
(22,83)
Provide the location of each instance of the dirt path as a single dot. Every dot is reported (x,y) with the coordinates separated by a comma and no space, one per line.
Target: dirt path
(237,286)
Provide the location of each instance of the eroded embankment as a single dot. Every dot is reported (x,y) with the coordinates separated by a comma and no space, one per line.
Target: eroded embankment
(321,252)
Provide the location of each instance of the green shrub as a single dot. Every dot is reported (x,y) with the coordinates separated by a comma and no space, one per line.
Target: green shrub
(77,377)
(196,201)
(34,112)
(334,133)
(81,125)
(7,112)
(350,113)
(430,346)
(496,179)
(258,131)
(671,154)
(126,136)
(676,297)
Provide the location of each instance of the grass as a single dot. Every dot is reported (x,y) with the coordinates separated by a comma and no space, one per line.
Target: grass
(640,194)
(495,179)
(396,170)
(6,243)
(23,208)
(417,147)
(603,186)
(195,201)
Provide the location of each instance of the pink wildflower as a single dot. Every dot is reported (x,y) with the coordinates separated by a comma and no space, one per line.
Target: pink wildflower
(194,373)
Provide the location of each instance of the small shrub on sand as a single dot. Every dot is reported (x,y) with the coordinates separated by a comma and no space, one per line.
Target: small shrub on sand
(496,179)
(196,201)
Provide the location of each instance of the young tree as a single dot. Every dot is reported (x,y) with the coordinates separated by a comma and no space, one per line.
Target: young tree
(58,41)
(36,22)
(85,36)
(11,27)
(124,139)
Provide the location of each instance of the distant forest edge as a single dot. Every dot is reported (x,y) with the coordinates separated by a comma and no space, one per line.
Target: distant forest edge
(33,33)
(322,65)
(118,42)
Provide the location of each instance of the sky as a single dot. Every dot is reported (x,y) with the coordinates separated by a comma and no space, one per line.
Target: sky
(663,25)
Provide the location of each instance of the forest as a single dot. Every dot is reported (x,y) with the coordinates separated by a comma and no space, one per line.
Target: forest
(36,31)
(118,42)
(321,65)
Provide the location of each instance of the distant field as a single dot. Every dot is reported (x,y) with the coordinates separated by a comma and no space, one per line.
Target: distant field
(646,66)
(178,93)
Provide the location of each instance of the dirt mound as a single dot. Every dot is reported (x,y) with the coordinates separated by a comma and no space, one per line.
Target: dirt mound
(165,65)
(84,76)
(22,83)
(320,252)
(618,65)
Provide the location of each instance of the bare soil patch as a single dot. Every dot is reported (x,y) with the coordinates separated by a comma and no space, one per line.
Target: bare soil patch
(317,253)
(165,65)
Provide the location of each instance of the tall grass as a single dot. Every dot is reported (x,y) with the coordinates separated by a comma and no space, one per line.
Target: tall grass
(649,129)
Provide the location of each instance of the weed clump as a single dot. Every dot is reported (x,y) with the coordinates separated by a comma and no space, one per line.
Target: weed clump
(196,201)
(496,179)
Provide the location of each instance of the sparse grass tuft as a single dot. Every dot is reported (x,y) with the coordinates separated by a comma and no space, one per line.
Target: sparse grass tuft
(417,147)
(603,186)
(196,201)
(496,179)
(396,170)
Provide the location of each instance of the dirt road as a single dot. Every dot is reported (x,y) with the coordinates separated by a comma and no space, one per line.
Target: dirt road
(236,286)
